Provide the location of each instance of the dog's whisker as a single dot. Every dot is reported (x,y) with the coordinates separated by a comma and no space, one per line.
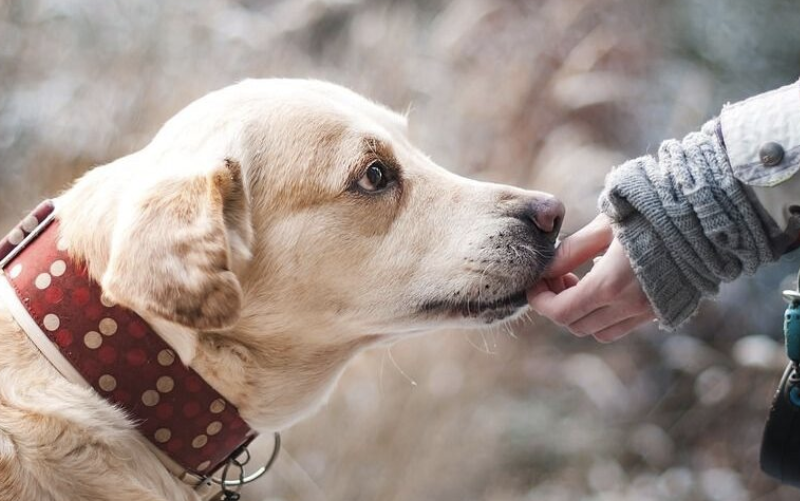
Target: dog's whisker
(527,318)
(380,372)
(485,343)
(493,335)
(485,351)
(400,370)
(510,331)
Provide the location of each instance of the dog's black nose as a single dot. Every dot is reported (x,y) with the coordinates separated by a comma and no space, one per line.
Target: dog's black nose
(547,214)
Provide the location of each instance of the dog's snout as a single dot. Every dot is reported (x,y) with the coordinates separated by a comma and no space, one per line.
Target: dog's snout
(547,215)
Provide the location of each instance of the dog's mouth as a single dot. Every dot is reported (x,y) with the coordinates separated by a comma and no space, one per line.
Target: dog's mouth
(497,296)
(488,311)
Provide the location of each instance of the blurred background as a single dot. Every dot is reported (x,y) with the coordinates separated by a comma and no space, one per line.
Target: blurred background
(545,94)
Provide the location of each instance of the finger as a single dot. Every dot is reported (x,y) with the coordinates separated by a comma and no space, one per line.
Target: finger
(553,285)
(565,308)
(623,328)
(581,246)
(557,284)
(538,288)
(570,280)
(599,319)
(611,314)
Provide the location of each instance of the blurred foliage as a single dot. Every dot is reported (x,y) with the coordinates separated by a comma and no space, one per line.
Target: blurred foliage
(546,94)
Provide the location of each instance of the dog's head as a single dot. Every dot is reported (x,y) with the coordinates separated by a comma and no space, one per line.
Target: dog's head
(301,206)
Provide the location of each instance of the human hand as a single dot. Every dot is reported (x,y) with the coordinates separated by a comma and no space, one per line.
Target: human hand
(608,302)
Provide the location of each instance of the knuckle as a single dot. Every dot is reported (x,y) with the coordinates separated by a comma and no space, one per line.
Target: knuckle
(607,337)
(578,332)
(579,329)
(602,339)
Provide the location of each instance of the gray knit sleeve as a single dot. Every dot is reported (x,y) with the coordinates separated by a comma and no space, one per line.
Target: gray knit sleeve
(685,222)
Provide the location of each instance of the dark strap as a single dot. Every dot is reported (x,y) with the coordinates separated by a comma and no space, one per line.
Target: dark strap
(118,353)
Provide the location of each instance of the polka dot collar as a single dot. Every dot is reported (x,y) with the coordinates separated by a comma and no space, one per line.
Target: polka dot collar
(118,353)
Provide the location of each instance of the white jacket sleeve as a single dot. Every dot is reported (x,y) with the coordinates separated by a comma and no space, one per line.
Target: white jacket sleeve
(762,138)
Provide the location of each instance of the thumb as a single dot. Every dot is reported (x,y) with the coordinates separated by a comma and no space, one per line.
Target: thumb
(581,246)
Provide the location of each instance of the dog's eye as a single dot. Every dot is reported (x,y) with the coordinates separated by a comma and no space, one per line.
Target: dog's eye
(376,178)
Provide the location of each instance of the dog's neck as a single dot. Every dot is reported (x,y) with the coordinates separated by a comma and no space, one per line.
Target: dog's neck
(278,380)
(274,376)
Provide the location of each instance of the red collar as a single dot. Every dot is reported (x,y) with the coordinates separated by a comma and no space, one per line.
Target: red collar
(118,353)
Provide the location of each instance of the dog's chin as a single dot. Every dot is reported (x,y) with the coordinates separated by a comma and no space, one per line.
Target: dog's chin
(483,312)
(476,309)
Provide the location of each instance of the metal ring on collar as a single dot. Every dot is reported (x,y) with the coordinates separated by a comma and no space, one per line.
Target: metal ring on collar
(246,479)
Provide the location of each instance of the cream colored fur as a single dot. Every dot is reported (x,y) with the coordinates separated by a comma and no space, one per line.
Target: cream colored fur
(239,234)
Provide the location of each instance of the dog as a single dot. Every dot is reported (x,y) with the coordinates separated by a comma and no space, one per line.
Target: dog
(271,231)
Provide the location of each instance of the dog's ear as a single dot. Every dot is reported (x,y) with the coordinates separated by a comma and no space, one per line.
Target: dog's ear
(173,254)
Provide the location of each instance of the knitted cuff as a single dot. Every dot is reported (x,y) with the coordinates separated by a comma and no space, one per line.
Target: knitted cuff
(685,222)
(673,298)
